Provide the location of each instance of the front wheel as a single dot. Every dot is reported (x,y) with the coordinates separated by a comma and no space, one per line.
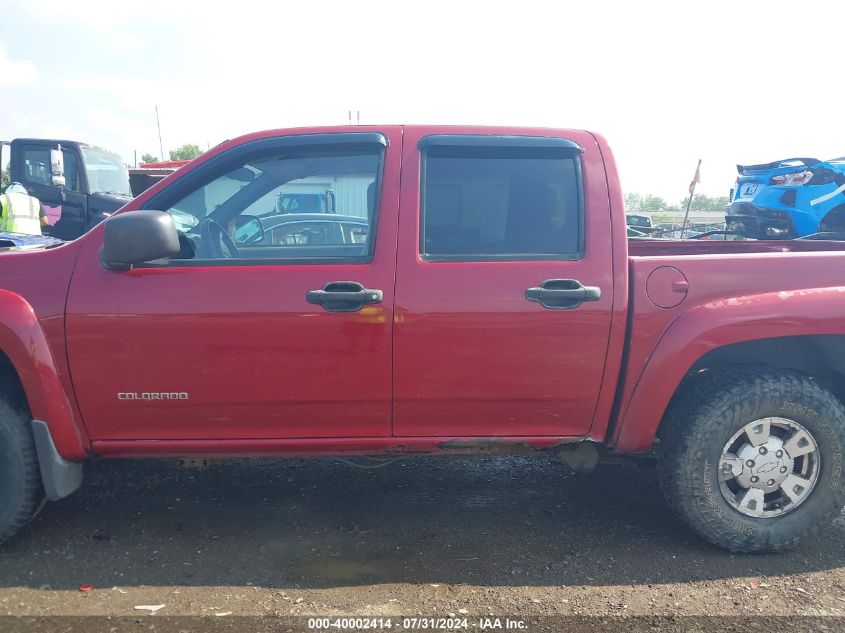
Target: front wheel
(20,478)
(752,459)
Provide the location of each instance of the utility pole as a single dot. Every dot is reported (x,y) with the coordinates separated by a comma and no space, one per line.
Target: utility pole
(160,146)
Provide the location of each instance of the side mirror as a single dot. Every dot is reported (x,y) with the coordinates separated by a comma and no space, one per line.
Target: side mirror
(52,195)
(249,229)
(57,167)
(136,237)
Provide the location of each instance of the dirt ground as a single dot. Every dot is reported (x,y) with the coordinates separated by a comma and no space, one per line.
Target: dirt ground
(424,536)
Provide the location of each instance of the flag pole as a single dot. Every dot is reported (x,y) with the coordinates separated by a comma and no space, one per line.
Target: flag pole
(158,124)
(695,180)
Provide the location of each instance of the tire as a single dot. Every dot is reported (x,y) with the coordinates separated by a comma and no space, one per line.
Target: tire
(692,449)
(21,490)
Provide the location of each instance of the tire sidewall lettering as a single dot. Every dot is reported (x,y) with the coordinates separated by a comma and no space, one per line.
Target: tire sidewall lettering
(829,433)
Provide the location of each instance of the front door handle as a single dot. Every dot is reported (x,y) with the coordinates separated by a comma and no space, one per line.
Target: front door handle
(344,296)
(562,294)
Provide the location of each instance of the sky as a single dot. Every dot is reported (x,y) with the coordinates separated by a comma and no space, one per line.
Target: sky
(666,83)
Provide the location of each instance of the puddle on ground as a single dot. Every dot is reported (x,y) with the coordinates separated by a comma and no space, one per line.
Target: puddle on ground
(345,569)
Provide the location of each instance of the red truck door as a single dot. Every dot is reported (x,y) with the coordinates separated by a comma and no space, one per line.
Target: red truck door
(504,284)
(274,338)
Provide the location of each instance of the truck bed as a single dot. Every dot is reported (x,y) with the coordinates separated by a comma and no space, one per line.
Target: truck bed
(684,286)
(648,248)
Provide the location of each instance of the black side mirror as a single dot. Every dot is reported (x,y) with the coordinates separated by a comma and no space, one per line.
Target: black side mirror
(52,195)
(136,237)
(249,229)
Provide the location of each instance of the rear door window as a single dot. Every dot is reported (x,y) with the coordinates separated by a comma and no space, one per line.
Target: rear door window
(501,203)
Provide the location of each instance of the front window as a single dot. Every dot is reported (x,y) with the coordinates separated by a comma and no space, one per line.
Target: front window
(300,205)
(36,166)
(106,172)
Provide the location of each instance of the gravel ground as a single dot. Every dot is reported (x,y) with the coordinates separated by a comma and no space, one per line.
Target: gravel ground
(424,536)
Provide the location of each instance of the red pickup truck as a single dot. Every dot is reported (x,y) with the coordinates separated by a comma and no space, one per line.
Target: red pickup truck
(473,292)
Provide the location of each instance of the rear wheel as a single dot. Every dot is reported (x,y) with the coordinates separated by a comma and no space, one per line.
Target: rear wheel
(752,459)
(20,479)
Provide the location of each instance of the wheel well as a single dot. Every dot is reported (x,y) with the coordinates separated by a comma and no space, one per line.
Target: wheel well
(834,220)
(11,388)
(820,356)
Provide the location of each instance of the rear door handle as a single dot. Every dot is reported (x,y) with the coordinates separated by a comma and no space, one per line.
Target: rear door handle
(562,294)
(344,296)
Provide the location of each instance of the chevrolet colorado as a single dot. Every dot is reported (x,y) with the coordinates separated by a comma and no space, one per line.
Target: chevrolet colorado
(481,297)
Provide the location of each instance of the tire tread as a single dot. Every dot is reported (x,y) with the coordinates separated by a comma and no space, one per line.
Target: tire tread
(15,424)
(703,406)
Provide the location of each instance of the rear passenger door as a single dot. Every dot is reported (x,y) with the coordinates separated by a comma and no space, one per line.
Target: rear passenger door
(503,290)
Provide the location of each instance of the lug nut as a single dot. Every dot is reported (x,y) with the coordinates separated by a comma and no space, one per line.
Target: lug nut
(771,482)
(779,454)
(754,480)
(783,469)
(763,450)
(750,463)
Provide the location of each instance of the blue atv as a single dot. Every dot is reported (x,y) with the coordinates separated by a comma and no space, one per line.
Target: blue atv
(789,198)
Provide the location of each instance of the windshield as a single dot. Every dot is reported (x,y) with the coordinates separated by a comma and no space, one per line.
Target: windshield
(106,172)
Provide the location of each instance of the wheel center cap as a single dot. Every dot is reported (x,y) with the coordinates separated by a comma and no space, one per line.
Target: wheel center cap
(764,466)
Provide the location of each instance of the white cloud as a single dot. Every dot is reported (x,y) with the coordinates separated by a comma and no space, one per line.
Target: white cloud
(97,14)
(666,82)
(123,42)
(16,73)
